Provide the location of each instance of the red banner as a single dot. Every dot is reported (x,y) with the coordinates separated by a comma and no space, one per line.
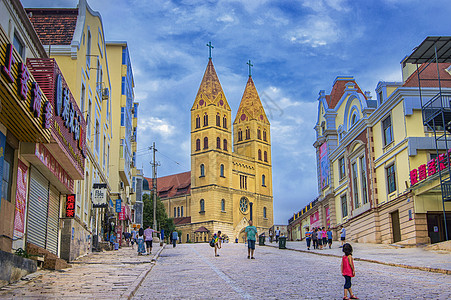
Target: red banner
(70,206)
(21,200)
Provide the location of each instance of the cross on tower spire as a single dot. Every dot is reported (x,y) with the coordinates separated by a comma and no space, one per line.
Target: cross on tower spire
(211,47)
(250,65)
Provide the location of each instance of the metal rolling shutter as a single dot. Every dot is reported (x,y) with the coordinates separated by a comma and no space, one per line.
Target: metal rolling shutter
(37,208)
(53,220)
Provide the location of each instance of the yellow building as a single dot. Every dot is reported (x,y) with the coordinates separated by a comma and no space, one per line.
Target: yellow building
(226,186)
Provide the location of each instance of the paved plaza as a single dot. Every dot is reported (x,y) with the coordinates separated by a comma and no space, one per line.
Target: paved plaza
(190,271)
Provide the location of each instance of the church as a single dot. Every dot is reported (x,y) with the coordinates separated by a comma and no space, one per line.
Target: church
(230,181)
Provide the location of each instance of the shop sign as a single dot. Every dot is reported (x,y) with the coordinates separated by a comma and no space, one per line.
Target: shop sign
(324,163)
(2,154)
(118,205)
(99,191)
(23,80)
(21,200)
(314,219)
(432,167)
(122,214)
(52,164)
(70,206)
(327,217)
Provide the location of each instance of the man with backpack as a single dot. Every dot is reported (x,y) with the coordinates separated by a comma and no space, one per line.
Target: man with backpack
(216,242)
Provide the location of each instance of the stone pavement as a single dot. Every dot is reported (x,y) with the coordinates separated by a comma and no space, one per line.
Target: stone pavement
(190,271)
(417,257)
(103,275)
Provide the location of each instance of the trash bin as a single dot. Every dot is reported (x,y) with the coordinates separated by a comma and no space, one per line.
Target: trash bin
(282,242)
(261,240)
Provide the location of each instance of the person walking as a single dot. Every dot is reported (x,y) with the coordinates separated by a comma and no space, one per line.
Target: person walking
(277,234)
(342,236)
(251,237)
(320,238)
(348,271)
(133,237)
(329,237)
(175,237)
(140,239)
(308,238)
(315,238)
(218,242)
(270,236)
(112,239)
(324,236)
(148,238)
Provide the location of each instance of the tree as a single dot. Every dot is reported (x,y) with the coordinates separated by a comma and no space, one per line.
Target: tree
(163,222)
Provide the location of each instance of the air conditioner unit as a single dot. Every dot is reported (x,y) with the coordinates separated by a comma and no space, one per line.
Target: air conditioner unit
(121,185)
(105,93)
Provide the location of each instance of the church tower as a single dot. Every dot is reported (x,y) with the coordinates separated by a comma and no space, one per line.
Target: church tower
(211,155)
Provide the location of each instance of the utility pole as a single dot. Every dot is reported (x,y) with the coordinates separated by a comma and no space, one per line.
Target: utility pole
(154,186)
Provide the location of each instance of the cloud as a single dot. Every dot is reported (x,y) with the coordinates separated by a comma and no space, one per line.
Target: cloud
(316,32)
(157,126)
(225,18)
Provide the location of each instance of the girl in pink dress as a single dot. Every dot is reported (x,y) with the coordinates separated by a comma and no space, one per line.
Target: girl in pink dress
(348,271)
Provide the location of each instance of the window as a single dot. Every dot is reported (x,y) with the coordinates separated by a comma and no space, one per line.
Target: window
(205,143)
(381,97)
(88,50)
(88,120)
(82,98)
(104,151)
(240,135)
(224,122)
(259,134)
(175,212)
(265,156)
(248,133)
(264,135)
(123,85)
(19,45)
(344,206)
(387,131)
(353,119)
(243,182)
(218,120)
(202,170)
(222,205)
(8,163)
(363,179)
(181,211)
(225,145)
(355,185)
(97,141)
(197,121)
(221,168)
(107,161)
(122,116)
(263,180)
(323,128)
(205,120)
(178,212)
(264,212)
(202,205)
(197,144)
(391,182)
(218,143)
(244,204)
(259,154)
(99,79)
(342,167)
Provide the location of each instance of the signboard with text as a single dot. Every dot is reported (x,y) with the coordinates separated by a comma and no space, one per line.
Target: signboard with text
(118,205)
(324,165)
(21,200)
(70,206)
(430,168)
(99,193)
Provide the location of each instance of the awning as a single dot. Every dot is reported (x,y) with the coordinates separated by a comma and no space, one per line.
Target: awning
(425,52)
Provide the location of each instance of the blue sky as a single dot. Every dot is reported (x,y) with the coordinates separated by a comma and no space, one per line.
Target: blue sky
(297,47)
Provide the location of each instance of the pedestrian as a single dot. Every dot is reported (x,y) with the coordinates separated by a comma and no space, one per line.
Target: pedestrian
(218,242)
(324,237)
(148,238)
(342,236)
(329,237)
(251,237)
(348,271)
(270,236)
(315,238)
(141,248)
(277,234)
(175,237)
(308,238)
(112,239)
(320,238)
(133,236)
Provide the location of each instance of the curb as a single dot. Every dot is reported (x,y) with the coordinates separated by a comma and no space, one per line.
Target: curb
(427,269)
(130,292)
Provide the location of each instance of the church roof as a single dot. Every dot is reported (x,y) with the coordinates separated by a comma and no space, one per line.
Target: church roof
(202,229)
(210,89)
(339,89)
(172,185)
(251,107)
(429,77)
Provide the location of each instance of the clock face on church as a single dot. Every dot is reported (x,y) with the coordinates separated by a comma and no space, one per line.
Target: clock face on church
(244,204)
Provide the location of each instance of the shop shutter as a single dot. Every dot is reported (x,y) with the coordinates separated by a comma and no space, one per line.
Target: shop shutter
(53,220)
(37,208)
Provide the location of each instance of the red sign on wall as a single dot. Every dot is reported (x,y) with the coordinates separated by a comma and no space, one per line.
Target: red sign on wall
(432,167)
(21,200)
(70,206)
(52,164)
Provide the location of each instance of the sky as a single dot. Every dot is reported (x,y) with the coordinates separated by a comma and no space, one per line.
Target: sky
(297,48)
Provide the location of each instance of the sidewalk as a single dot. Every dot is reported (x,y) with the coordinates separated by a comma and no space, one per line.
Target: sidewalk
(101,275)
(412,258)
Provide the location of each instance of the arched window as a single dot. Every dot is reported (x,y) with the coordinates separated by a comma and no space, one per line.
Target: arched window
(225,145)
(264,212)
(354,119)
(240,135)
(218,143)
(248,133)
(175,212)
(259,134)
(205,119)
(205,143)
(265,156)
(264,135)
(178,212)
(218,120)
(202,205)
(221,168)
(259,154)
(197,121)
(263,180)
(224,122)
(181,211)
(202,170)
(222,205)
(197,144)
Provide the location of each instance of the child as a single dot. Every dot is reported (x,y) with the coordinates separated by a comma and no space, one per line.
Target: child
(315,238)
(348,271)
(320,238)
(218,240)
(308,238)
(329,237)
(324,236)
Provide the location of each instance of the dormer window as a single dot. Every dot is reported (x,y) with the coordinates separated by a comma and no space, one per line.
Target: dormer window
(323,128)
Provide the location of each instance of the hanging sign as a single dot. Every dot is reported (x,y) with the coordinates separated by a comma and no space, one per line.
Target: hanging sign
(118,205)
(21,200)
(70,206)
(99,191)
